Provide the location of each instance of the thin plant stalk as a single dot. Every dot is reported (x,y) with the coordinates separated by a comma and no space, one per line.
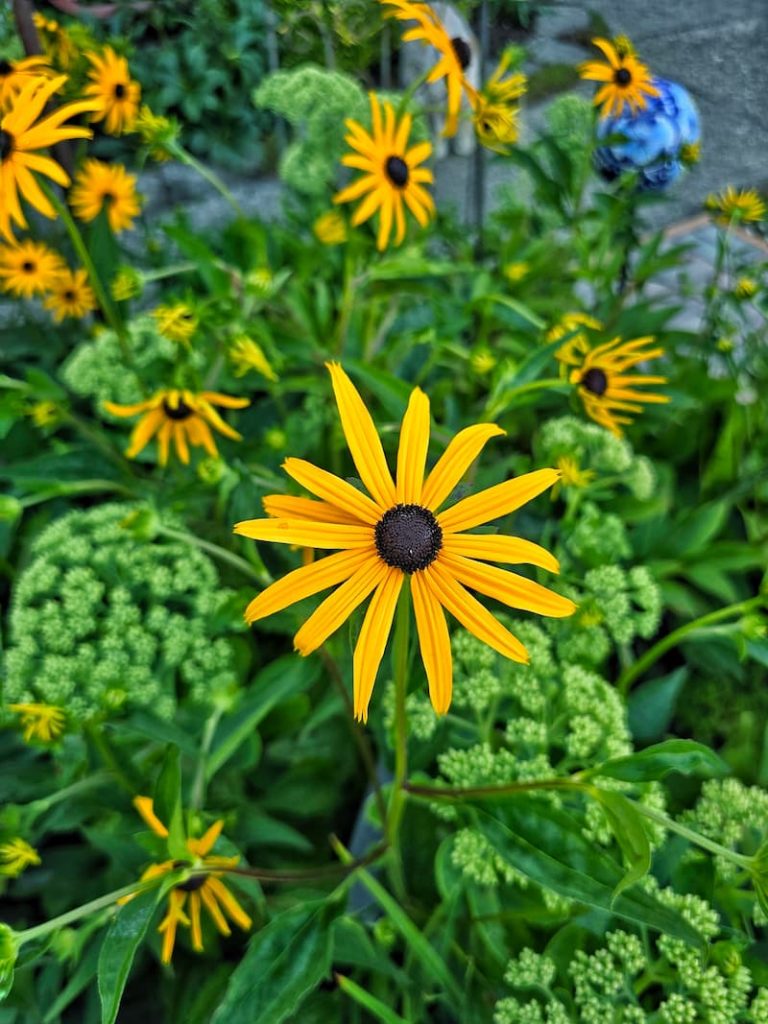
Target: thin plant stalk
(397,798)
(184,157)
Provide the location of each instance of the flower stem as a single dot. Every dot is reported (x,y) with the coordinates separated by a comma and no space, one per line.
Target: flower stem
(693,837)
(218,552)
(198,786)
(181,154)
(397,796)
(672,639)
(492,410)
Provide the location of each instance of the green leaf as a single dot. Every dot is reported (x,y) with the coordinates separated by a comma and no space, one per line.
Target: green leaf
(128,927)
(370,1003)
(651,705)
(629,829)
(167,802)
(391,391)
(83,976)
(684,756)
(284,963)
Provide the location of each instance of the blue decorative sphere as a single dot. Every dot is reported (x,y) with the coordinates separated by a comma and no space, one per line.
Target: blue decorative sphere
(653,137)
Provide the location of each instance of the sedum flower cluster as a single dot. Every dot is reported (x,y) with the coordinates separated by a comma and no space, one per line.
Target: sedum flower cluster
(102,621)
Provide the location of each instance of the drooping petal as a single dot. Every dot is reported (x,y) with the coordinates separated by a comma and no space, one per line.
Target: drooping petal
(434,642)
(144,431)
(412,451)
(455,461)
(494,502)
(335,609)
(494,547)
(507,587)
(202,847)
(231,906)
(372,641)
(145,806)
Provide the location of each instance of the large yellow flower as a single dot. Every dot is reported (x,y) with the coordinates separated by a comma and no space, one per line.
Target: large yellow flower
(203,888)
(399,533)
(392,175)
(626,81)
(70,295)
(118,94)
(29,268)
(744,205)
(21,139)
(179,416)
(600,374)
(14,74)
(455,54)
(99,186)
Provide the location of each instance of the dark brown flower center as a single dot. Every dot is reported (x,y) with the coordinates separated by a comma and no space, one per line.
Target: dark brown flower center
(396,170)
(193,883)
(5,68)
(119,91)
(622,76)
(463,52)
(28,266)
(178,412)
(6,145)
(408,537)
(69,295)
(595,381)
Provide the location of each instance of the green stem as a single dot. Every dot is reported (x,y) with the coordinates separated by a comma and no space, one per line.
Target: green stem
(198,786)
(163,272)
(407,95)
(503,401)
(397,796)
(672,639)
(79,487)
(491,792)
(217,552)
(693,837)
(37,807)
(181,154)
(95,734)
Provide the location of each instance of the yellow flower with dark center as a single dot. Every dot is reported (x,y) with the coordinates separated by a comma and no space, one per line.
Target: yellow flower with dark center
(183,417)
(20,141)
(330,228)
(44,722)
(626,81)
(57,42)
(16,73)
(29,268)
(118,94)
(606,389)
(156,132)
(70,295)
(176,323)
(396,532)
(16,855)
(392,175)
(247,355)
(203,888)
(744,205)
(745,288)
(99,186)
(455,54)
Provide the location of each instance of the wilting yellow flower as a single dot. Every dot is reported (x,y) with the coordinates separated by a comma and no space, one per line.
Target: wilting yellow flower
(330,228)
(44,722)
(117,93)
(16,855)
(57,42)
(179,416)
(399,534)
(176,323)
(606,389)
(455,54)
(515,272)
(16,73)
(744,206)
(203,888)
(571,322)
(70,295)
(626,81)
(495,107)
(392,175)
(21,138)
(44,414)
(745,288)
(572,475)
(247,355)
(126,284)
(99,186)
(29,268)
(690,153)
(156,132)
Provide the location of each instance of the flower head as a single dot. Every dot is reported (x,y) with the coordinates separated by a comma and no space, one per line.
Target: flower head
(600,374)
(44,722)
(176,323)
(44,414)
(157,132)
(99,186)
(22,135)
(330,228)
(70,295)
(126,284)
(117,93)
(247,355)
(571,474)
(745,288)
(29,268)
(455,54)
(626,81)
(571,322)
(16,855)
(183,417)
(496,106)
(14,74)
(203,887)
(744,205)
(392,175)
(516,271)
(396,532)
(57,42)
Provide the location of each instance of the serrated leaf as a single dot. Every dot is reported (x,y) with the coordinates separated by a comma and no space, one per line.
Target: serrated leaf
(126,931)
(653,763)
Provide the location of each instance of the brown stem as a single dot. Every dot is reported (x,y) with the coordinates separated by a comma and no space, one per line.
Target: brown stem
(326,871)
(100,11)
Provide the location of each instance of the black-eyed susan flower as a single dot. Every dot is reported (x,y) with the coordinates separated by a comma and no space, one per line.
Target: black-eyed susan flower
(397,533)
(605,387)
(391,177)
(184,417)
(22,137)
(572,322)
(247,355)
(176,322)
(330,228)
(16,855)
(70,295)
(29,268)
(43,722)
(625,80)
(742,205)
(99,186)
(157,132)
(16,73)
(203,888)
(455,54)
(495,107)
(117,93)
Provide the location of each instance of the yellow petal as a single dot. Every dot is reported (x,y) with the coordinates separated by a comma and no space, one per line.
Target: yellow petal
(455,461)
(306,534)
(333,489)
(335,609)
(286,506)
(494,547)
(145,806)
(373,639)
(434,642)
(507,587)
(229,903)
(412,451)
(497,501)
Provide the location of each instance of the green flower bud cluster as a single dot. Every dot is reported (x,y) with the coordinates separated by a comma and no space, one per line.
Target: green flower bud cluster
(732,814)
(476,681)
(420,715)
(599,537)
(591,445)
(474,856)
(103,621)
(571,120)
(629,602)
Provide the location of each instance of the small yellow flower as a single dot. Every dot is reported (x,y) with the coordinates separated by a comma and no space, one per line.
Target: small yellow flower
(44,722)
(745,288)
(276,439)
(725,345)
(112,86)
(99,186)
(156,132)
(176,323)
(16,855)
(260,281)
(126,284)
(330,228)
(744,205)
(624,80)
(44,414)
(483,362)
(29,268)
(690,153)
(247,355)
(571,473)
(515,272)
(495,107)
(569,323)
(70,295)
(57,43)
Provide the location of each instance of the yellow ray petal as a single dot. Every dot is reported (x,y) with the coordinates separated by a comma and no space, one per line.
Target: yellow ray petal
(230,904)
(373,639)
(494,547)
(194,920)
(507,587)
(306,534)
(434,642)
(497,501)
(333,489)
(202,847)
(208,898)
(145,806)
(327,618)
(412,451)
(455,461)
(286,506)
